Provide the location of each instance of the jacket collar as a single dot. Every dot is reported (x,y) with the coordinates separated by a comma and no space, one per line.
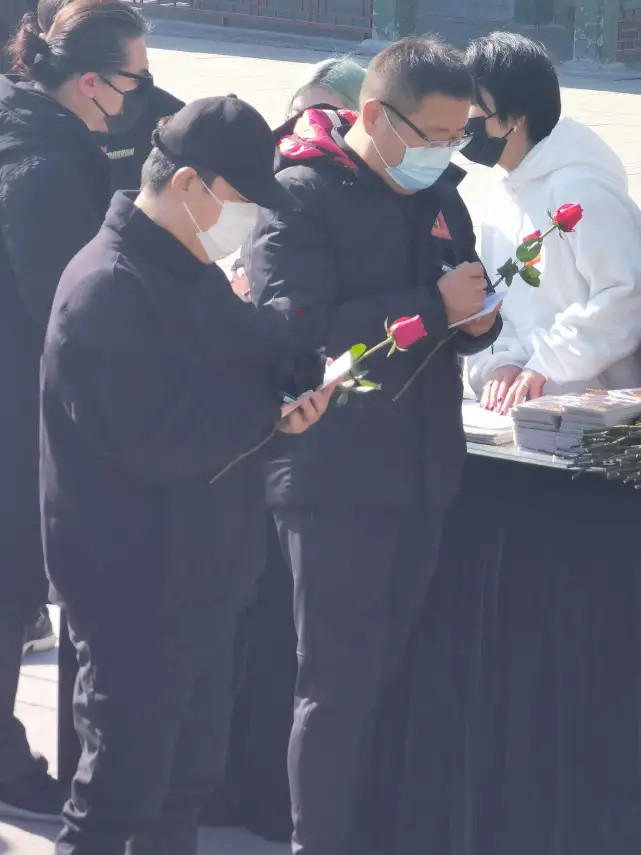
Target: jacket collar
(138,232)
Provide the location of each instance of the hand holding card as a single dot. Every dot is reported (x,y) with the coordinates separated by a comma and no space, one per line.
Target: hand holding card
(335,372)
(489,305)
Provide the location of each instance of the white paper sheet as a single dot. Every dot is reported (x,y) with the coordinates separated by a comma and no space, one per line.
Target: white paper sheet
(489,304)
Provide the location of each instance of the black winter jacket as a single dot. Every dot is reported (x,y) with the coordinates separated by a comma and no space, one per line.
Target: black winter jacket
(154,377)
(54,190)
(352,256)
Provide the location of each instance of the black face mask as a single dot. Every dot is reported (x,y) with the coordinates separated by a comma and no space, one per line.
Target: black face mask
(134,104)
(483,148)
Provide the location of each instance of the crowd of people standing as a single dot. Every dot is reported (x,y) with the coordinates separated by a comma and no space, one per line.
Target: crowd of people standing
(149,438)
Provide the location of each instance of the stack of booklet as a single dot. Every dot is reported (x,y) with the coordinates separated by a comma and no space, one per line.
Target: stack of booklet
(485,427)
(556,423)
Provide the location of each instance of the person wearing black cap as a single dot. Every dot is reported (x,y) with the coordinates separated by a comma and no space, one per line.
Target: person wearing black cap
(156,384)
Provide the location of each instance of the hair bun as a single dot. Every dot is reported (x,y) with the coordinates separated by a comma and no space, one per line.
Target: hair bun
(35,48)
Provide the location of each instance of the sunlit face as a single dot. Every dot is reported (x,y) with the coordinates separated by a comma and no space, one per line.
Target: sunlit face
(513,130)
(439,120)
(487,109)
(108,91)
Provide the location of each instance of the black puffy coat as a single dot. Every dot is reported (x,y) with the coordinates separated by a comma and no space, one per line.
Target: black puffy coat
(352,255)
(54,191)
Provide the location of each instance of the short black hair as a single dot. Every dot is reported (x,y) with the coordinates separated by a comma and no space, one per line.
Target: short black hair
(159,169)
(520,77)
(413,68)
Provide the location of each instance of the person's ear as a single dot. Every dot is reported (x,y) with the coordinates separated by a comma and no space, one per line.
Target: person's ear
(183,179)
(372,113)
(88,84)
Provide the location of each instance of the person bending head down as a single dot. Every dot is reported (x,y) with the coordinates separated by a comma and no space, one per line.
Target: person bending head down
(92,58)
(517,99)
(581,328)
(210,170)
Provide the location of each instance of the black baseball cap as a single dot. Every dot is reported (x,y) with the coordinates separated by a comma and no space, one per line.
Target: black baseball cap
(228,137)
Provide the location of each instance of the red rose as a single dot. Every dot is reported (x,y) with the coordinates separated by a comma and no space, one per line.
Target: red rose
(568,216)
(407,331)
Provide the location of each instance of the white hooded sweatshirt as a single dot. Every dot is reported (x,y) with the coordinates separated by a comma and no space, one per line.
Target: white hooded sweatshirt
(582,327)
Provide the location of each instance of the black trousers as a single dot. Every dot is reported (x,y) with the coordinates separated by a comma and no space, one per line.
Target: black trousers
(16,612)
(152,707)
(361,576)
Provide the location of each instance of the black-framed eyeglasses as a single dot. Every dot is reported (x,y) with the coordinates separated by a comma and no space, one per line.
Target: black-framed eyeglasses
(452,145)
(145,81)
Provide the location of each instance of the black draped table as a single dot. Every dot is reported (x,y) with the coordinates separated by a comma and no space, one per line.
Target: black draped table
(514,727)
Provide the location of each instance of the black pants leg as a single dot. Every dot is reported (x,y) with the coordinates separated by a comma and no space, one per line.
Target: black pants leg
(360,579)
(16,760)
(152,709)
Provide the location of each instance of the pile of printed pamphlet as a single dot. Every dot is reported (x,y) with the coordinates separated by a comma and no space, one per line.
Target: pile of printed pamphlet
(484,427)
(555,424)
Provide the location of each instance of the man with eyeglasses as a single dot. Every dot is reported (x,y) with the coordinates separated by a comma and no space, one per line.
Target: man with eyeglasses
(360,504)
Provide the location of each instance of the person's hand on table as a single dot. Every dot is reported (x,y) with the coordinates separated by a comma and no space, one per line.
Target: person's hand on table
(463,291)
(481,326)
(526,387)
(498,385)
(308,411)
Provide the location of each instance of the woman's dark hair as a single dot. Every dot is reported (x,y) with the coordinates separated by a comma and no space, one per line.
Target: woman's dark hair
(521,79)
(85,35)
(47,11)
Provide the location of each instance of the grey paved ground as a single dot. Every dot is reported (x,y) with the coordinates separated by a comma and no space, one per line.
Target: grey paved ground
(265,73)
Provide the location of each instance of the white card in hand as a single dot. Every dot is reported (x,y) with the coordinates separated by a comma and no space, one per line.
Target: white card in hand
(338,370)
(489,304)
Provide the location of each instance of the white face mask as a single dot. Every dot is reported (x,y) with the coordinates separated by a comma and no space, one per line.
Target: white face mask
(235,223)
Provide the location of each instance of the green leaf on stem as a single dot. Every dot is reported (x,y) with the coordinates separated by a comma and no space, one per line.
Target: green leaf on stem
(368,386)
(531,275)
(508,271)
(357,351)
(529,250)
